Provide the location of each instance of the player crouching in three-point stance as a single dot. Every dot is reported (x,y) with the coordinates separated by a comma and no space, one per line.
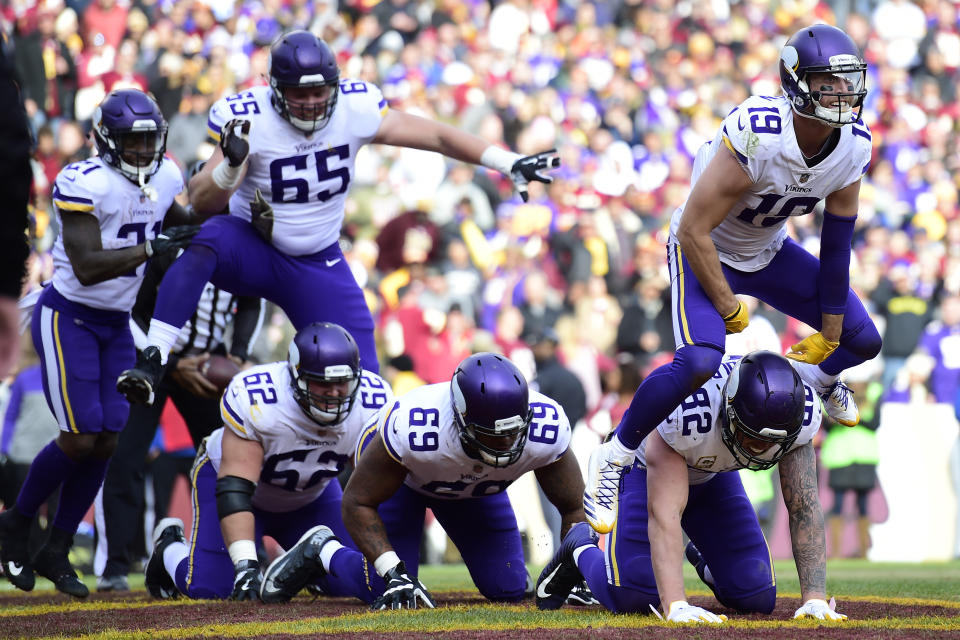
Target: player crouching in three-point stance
(453,448)
(774,157)
(113,211)
(753,413)
(284,166)
(289,429)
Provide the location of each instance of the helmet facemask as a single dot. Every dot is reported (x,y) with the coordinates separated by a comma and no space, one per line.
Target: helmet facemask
(135,151)
(832,94)
(306,115)
(331,406)
(498,446)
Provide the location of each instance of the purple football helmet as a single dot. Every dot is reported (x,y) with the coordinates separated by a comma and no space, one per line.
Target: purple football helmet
(130,133)
(764,404)
(491,406)
(300,59)
(822,49)
(327,354)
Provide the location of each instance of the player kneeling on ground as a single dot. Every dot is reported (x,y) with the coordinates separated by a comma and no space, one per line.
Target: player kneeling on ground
(455,448)
(289,429)
(753,413)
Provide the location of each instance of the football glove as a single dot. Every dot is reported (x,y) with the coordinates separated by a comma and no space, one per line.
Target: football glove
(233,141)
(171,239)
(261,216)
(246,580)
(812,349)
(402,591)
(738,320)
(683,612)
(529,169)
(819,609)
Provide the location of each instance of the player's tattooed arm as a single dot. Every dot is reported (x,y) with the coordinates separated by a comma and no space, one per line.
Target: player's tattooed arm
(92,263)
(376,478)
(798,480)
(562,483)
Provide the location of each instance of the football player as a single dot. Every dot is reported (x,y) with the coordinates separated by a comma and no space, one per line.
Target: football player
(773,157)
(753,413)
(453,448)
(284,165)
(113,210)
(289,429)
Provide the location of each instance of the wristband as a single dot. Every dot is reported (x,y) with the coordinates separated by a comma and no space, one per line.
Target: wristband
(241,550)
(225,176)
(385,562)
(500,159)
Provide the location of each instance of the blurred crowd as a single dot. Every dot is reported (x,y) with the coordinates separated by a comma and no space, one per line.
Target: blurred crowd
(627,90)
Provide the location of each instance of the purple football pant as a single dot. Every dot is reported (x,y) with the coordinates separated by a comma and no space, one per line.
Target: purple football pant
(82,352)
(789,284)
(319,287)
(721,523)
(483,529)
(207,572)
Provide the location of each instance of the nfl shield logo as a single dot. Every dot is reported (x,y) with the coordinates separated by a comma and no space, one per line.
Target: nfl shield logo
(804,177)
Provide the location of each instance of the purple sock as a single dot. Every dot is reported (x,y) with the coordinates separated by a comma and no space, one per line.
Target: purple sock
(49,469)
(182,285)
(78,493)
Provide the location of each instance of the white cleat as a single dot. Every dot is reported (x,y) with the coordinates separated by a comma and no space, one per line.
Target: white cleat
(840,405)
(601,495)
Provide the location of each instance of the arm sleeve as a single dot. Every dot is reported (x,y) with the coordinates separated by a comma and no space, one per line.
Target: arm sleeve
(246,325)
(835,239)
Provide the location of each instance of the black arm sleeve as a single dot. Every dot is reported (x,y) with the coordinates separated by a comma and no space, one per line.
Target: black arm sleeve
(234,494)
(246,325)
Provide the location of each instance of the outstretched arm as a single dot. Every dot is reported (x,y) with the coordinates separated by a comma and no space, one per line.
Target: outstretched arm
(562,483)
(798,480)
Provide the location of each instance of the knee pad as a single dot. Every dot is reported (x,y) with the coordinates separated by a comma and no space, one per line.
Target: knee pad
(696,364)
(752,589)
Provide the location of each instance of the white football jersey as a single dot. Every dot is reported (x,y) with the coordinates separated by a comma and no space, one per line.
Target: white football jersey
(420,433)
(299,456)
(693,429)
(760,134)
(126,217)
(304,177)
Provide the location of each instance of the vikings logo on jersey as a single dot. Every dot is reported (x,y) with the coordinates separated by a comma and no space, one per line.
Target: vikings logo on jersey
(695,428)
(127,217)
(304,176)
(759,133)
(299,456)
(419,432)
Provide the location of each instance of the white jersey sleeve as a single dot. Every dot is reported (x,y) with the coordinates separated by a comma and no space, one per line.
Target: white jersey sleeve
(126,216)
(694,429)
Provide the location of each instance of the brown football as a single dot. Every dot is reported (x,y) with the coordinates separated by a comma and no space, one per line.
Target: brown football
(219,370)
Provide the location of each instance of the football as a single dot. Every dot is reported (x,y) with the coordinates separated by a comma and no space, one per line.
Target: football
(219,370)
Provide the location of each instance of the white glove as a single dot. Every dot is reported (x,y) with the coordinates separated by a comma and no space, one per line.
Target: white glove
(819,609)
(683,612)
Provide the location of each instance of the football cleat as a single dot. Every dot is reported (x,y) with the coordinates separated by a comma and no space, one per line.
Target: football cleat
(561,575)
(14,554)
(53,563)
(296,568)
(156,579)
(581,596)
(694,558)
(113,583)
(601,495)
(839,404)
(138,384)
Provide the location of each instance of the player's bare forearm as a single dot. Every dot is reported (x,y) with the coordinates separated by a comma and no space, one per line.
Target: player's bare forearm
(92,263)
(562,483)
(178,215)
(376,478)
(832,326)
(798,481)
(406,130)
(702,255)
(667,491)
(237,526)
(206,197)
